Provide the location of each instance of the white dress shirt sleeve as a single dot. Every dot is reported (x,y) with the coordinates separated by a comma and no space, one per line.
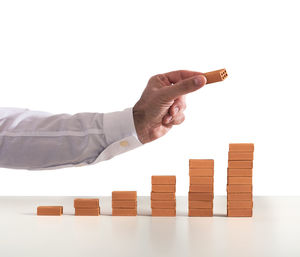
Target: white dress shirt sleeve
(35,140)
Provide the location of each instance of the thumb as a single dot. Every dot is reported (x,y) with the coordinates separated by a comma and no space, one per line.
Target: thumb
(184,87)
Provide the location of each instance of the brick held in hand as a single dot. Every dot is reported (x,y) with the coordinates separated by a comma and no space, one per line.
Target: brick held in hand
(163,188)
(201,212)
(201,180)
(215,76)
(239,188)
(163,180)
(239,212)
(87,212)
(89,203)
(124,195)
(201,163)
(200,204)
(200,196)
(206,172)
(164,212)
(162,196)
(239,196)
(163,204)
(240,156)
(124,204)
(202,188)
(241,147)
(124,212)
(239,204)
(239,180)
(50,210)
(239,172)
(240,164)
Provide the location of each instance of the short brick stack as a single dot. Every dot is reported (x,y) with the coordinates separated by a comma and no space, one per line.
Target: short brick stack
(50,210)
(201,192)
(86,207)
(163,199)
(124,203)
(239,180)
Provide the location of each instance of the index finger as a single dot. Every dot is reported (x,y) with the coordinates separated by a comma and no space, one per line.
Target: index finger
(178,75)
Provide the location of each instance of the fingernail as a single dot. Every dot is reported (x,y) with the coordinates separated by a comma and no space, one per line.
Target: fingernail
(176,109)
(169,119)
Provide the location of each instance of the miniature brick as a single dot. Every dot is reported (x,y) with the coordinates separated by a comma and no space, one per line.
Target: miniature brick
(163,188)
(200,204)
(206,172)
(239,212)
(201,180)
(50,210)
(163,180)
(124,195)
(124,212)
(89,203)
(239,204)
(240,164)
(87,212)
(200,196)
(163,204)
(201,212)
(239,196)
(164,212)
(202,188)
(241,147)
(240,156)
(239,172)
(239,188)
(162,196)
(215,76)
(124,204)
(239,180)
(201,163)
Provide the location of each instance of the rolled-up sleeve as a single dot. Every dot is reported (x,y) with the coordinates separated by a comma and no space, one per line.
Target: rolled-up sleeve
(36,140)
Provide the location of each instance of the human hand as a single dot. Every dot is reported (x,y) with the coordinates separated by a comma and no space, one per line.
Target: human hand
(163,101)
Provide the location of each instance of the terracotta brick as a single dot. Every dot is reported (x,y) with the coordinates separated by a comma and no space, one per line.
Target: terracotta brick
(124,195)
(240,156)
(239,188)
(201,180)
(89,203)
(201,163)
(215,76)
(239,172)
(200,204)
(240,164)
(202,188)
(239,196)
(209,172)
(162,196)
(163,188)
(164,212)
(163,180)
(50,210)
(239,212)
(87,212)
(200,196)
(124,212)
(239,180)
(201,212)
(239,204)
(124,204)
(241,147)
(163,204)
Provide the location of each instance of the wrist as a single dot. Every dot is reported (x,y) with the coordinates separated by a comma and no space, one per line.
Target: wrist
(139,117)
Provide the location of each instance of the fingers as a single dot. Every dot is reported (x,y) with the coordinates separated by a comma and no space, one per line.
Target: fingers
(169,120)
(176,76)
(177,106)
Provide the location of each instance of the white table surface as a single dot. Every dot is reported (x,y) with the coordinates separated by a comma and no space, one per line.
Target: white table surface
(273,231)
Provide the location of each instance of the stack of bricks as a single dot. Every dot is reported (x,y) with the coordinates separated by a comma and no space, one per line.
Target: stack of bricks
(50,210)
(124,203)
(239,180)
(86,207)
(201,192)
(163,199)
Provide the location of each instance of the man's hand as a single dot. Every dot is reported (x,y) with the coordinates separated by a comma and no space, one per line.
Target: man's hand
(163,101)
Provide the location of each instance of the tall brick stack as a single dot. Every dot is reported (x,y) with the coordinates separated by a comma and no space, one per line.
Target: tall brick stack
(163,199)
(201,193)
(86,207)
(239,180)
(124,203)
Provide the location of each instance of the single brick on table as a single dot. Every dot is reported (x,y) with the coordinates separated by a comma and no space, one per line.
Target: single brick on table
(50,210)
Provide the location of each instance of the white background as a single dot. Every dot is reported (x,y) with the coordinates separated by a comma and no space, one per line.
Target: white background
(91,56)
